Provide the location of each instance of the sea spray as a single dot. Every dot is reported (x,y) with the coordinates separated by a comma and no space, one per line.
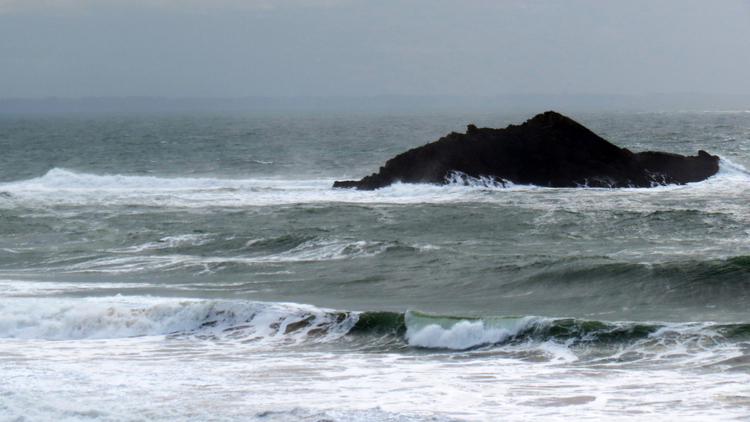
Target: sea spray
(122,317)
(460,333)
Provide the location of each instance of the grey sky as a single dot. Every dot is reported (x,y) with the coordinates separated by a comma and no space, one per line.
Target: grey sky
(234,48)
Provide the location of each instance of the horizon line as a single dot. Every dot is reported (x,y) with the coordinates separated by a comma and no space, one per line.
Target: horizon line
(373,96)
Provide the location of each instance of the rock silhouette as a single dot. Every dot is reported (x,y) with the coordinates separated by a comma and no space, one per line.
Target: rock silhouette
(548,150)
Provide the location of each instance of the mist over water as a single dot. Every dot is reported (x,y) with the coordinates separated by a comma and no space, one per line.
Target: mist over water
(203,267)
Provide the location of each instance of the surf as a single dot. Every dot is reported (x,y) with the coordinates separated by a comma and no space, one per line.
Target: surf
(273,325)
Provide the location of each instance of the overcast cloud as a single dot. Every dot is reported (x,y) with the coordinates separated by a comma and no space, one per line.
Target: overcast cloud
(71,7)
(235,48)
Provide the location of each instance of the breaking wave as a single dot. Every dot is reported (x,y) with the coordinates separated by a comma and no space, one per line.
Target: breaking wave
(462,179)
(120,317)
(60,186)
(287,324)
(570,339)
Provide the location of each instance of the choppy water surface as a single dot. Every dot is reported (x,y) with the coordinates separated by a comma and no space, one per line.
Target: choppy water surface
(202,268)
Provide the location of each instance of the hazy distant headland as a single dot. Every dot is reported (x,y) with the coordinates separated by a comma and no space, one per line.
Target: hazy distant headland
(540,102)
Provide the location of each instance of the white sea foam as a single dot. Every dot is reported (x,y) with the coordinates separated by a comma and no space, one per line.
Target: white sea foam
(63,187)
(61,179)
(676,344)
(463,179)
(19,288)
(123,358)
(326,249)
(123,317)
(128,260)
(60,186)
(459,334)
(729,169)
(462,335)
(156,377)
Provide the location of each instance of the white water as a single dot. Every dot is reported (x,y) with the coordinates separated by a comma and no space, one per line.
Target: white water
(431,332)
(73,360)
(141,358)
(62,187)
(140,379)
(315,250)
(133,316)
(86,344)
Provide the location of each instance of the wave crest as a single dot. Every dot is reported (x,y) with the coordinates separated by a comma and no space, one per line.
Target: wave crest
(110,318)
(460,333)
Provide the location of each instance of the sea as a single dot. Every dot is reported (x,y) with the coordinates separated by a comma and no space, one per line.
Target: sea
(200,267)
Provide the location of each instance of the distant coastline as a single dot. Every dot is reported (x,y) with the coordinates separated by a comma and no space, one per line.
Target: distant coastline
(537,103)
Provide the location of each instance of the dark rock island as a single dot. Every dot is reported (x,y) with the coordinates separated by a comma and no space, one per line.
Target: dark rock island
(548,150)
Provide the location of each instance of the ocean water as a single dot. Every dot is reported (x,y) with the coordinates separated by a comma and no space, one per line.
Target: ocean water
(201,268)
